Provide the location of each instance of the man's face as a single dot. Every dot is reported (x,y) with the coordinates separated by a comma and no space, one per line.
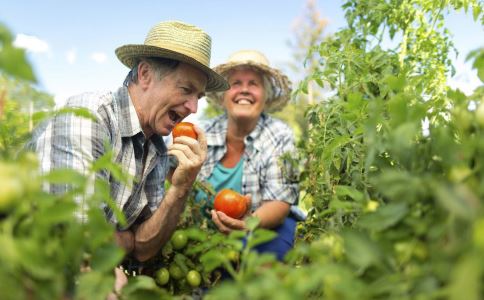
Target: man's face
(169,100)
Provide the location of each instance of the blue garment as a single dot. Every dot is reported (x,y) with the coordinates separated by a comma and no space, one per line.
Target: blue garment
(223,178)
(283,242)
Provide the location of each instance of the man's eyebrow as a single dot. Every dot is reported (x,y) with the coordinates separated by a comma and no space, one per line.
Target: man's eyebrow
(194,88)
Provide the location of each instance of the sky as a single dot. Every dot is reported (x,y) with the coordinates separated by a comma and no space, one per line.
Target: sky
(71,43)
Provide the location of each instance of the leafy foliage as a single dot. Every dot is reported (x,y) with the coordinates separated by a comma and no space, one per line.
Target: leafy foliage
(393,175)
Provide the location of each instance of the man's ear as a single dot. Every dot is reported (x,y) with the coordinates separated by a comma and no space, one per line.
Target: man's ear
(145,73)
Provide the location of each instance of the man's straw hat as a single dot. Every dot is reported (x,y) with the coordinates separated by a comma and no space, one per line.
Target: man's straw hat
(281,90)
(179,41)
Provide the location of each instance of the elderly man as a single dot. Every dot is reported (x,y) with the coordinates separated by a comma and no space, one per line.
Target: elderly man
(169,73)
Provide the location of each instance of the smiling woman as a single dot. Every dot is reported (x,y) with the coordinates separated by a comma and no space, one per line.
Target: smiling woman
(246,147)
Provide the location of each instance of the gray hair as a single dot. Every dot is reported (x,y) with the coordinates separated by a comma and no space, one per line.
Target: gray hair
(161,67)
(266,81)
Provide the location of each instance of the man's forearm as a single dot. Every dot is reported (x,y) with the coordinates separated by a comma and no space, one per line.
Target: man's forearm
(152,234)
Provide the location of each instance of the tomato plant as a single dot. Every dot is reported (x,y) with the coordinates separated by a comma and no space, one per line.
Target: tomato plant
(184,129)
(231,203)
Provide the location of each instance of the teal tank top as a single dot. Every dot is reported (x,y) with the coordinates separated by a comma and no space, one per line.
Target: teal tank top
(223,178)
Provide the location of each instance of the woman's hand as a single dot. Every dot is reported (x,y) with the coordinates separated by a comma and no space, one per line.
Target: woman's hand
(226,224)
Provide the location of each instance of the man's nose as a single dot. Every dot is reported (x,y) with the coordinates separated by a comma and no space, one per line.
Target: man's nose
(192,105)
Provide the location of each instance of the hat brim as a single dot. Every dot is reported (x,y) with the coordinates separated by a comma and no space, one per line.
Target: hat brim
(129,55)
(281,84)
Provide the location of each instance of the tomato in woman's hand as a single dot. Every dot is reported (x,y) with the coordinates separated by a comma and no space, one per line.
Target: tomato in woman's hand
(231,203)
(184,129)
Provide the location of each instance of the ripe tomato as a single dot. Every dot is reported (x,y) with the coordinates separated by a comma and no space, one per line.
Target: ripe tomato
(184,129)
(194,279)
(231,203)
(162,276)
(179,240)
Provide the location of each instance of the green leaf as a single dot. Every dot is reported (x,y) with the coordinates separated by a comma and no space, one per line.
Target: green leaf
(212,260)
(61,211)
(94,285)
(396,83)
(142,288)
(466,278)
(13,60)
(106,258)
(260,236)
(360,250)
(66,176)
(78,111)
(456,201)
(344,190)
(384,217)
(252,223)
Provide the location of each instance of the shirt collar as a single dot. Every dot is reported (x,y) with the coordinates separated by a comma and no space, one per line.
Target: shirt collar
(129,124)
(218,136)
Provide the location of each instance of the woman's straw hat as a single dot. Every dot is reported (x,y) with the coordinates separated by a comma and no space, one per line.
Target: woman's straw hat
(179,41)
(281,90)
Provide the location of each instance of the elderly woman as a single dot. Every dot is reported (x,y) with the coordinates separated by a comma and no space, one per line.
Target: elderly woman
(245,147)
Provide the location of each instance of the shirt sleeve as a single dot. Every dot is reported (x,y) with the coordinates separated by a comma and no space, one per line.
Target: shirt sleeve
(280,176)
(72,142)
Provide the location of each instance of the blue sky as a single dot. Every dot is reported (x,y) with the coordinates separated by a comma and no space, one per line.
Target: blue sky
(72,43)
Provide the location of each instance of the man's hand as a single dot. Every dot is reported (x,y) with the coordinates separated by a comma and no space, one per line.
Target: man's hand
(190,154)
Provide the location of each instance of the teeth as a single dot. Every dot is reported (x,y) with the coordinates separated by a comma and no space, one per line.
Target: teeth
(243,101)
(173,116)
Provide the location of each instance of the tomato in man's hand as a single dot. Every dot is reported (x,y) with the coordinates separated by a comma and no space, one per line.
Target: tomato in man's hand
(231,203)
(184,129)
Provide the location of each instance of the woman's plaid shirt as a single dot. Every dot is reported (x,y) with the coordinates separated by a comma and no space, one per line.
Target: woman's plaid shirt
(265,175)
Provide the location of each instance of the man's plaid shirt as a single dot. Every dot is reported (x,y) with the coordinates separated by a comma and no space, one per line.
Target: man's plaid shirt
(69,141)
(265,176)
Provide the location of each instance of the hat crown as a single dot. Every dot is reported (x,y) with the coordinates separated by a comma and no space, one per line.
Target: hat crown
(244,56)
(182,38)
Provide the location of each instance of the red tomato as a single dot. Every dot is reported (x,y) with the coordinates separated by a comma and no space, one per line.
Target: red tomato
(231,203)
(184,129)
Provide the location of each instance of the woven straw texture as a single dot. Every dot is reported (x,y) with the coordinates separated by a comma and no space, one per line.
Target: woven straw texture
(280,83)
(176,40)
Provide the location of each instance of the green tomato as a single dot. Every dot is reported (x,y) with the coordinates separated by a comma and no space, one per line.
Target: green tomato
(459,173)
(11,189)
(232,255)
(162,276)
(480,114)
(176,272)
(194,278)
(179,240)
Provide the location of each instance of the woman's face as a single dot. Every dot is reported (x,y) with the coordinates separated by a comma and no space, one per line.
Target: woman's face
(245,100)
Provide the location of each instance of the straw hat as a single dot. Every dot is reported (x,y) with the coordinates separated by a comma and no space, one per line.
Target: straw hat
(281,90)
(179,41)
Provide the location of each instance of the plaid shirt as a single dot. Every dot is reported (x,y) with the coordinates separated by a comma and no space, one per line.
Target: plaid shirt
(68,141)
(264,176)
